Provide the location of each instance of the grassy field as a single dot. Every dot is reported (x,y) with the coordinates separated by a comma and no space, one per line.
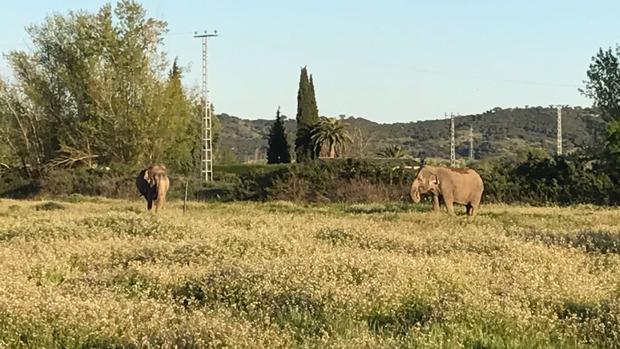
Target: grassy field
(102,273)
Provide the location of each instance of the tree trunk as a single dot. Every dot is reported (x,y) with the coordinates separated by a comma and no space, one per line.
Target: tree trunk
(332,151)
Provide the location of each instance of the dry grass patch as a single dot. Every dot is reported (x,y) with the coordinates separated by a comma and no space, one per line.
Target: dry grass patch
(104,273)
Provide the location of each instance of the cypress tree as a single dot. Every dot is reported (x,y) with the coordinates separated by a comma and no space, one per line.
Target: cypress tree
(278,151)
(307,118)
(315,119)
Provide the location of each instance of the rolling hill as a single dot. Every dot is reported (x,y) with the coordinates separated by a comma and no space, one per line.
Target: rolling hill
(497,132)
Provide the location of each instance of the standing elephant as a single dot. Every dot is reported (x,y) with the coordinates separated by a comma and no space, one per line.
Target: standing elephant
(460,185)
(153,184)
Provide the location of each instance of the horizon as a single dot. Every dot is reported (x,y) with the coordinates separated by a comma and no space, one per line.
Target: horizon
(403,66)
(445,117)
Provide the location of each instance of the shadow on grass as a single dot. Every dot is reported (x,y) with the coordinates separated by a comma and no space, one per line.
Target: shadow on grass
(384,208)
(411,313)
(295,310)
(596,241)
(596,322)
(49,206)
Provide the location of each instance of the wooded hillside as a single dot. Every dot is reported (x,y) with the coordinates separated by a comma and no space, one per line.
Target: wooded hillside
(497,132)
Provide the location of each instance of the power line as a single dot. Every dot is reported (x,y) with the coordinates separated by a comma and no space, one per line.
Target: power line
(478,77)
(179,33)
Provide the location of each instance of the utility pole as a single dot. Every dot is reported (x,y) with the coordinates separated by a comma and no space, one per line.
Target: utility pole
(452,152)
(206,169)
(471,142)
(559,132)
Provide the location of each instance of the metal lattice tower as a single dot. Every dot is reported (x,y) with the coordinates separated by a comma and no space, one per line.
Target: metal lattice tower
(471,143)
(206,160)
(452,152)
(559,132)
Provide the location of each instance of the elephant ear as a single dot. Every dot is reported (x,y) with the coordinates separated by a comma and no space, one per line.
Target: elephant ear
(433,180)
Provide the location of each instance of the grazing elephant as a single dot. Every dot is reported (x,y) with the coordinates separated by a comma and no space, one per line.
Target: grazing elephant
(460,185)
(153,184)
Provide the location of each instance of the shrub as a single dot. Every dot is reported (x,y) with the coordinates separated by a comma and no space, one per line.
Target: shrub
(49,206)
(14,184)
(544,180)
(533,178)
(346,180)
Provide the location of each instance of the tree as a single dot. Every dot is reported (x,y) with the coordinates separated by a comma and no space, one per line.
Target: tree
(360,142)
(180,126)
(393,152)
(307,117)
(332,134)
(278,150)
(95,86)
(603,86)
(22,130)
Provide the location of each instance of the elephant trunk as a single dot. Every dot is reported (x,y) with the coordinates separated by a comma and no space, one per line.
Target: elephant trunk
(415,193)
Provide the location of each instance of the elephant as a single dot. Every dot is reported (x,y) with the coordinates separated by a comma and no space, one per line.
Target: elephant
(453,185)
(153,184)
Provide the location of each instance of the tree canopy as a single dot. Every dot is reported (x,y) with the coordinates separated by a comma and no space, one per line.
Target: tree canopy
(603,86)
(307,117)
(394,151)
(278,150)
(331,134)
(97,88)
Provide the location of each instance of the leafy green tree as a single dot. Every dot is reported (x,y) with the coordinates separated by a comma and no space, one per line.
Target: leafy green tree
(603,86)
(26,132)
(330,133)
(307,117)
(95,88)
(278,150)
(180,126)
(225,156)
(393,152)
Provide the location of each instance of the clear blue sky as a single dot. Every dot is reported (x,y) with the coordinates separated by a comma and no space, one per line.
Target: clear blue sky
(385,60)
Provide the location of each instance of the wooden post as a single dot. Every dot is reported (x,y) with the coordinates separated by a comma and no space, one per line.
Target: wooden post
(185,199)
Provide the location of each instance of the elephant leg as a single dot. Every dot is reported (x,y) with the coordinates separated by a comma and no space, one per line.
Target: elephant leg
(149,200)
(162,201)
(450,208)
(435,203)
(475,208)
(449,205)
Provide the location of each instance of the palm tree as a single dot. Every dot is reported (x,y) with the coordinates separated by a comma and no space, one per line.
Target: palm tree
(330,133)
(393,152)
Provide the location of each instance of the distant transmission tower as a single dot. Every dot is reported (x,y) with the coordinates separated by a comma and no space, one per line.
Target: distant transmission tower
(452,152)
(206,169)
(559,132)
(471,142)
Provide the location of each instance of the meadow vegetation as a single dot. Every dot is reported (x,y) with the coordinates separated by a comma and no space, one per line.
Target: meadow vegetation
(94,272)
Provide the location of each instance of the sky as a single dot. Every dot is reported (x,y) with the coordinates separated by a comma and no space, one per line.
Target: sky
(388,61)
